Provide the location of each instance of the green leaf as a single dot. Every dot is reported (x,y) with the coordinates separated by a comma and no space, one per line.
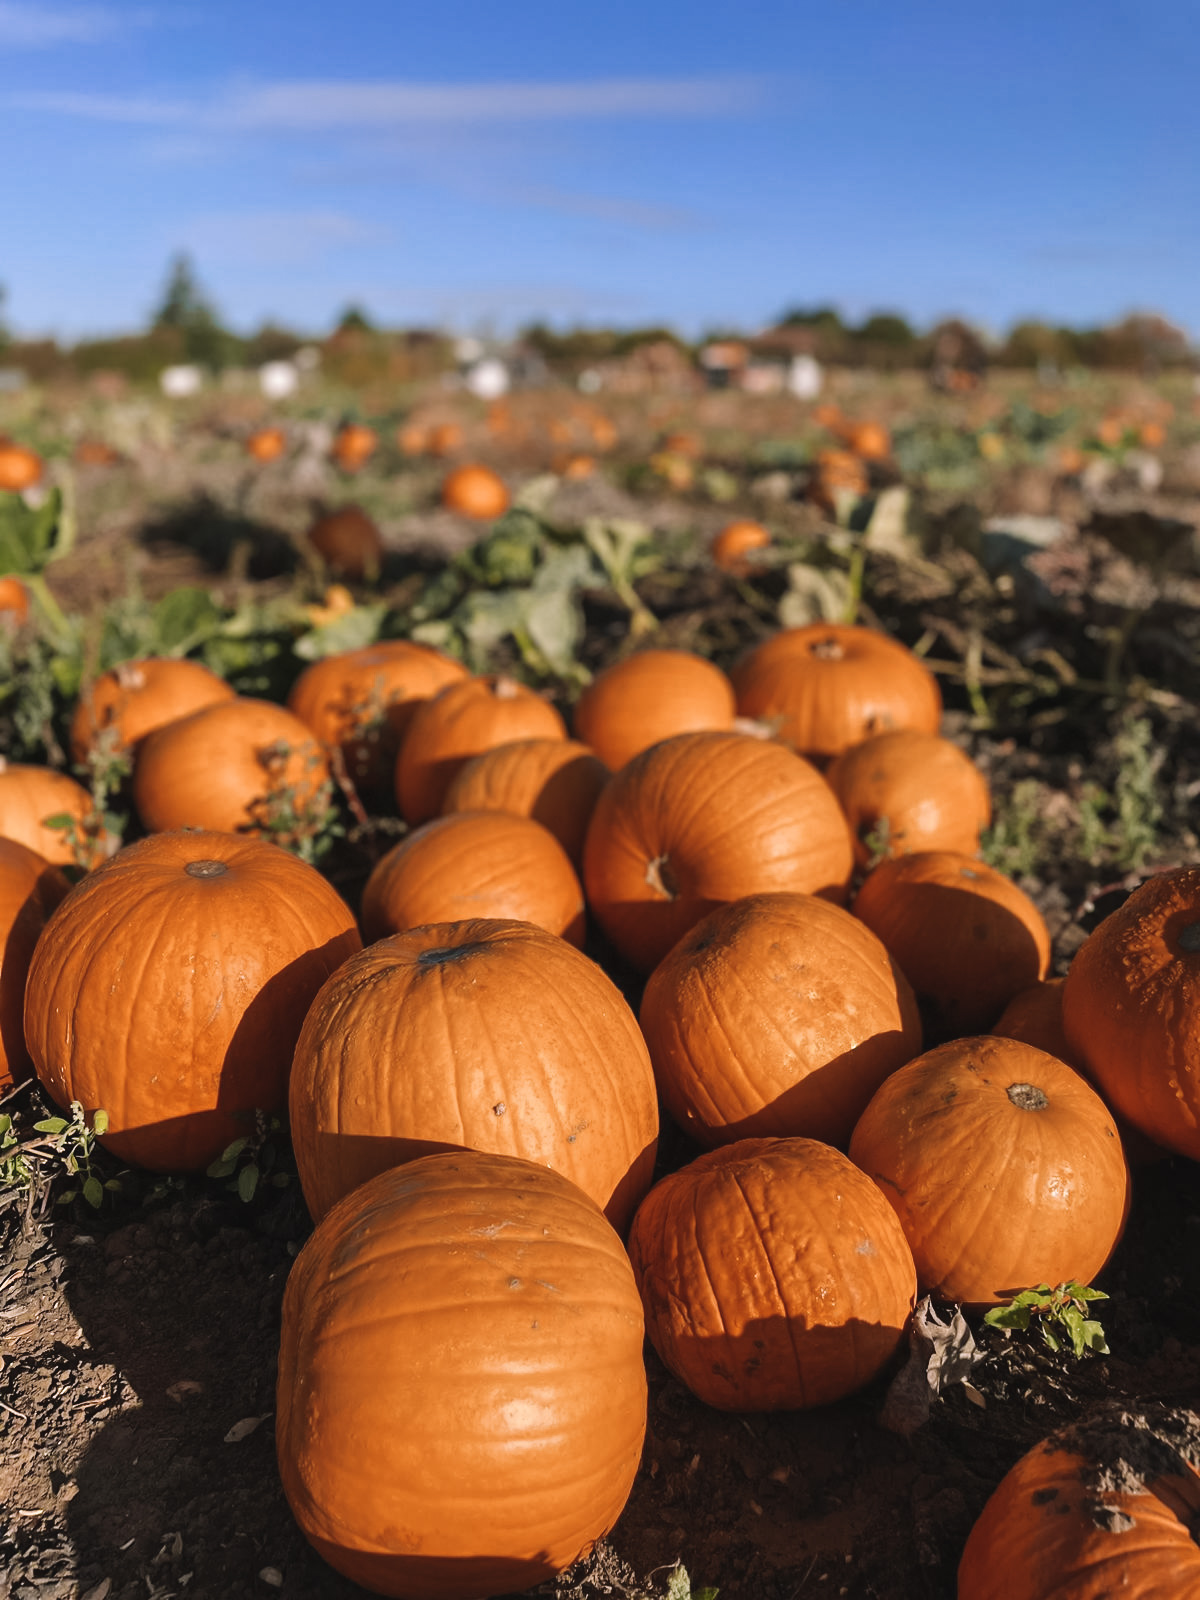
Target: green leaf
(66,1197)
(247,1181)
(60,820)
(100,1122)
(93,1192)
(51,1125)
(185,618)
(351,631)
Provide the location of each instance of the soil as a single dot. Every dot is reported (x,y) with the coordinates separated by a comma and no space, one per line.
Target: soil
(138,1344)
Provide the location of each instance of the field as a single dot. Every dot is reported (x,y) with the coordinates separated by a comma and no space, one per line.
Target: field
(1037,545)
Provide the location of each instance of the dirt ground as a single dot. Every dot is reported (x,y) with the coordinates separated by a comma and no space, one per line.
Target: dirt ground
(138,1346)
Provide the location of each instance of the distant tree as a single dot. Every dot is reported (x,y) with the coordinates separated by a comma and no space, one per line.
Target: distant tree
(187,312)
(5,336)
(823,318)
(886,327)
(354,320)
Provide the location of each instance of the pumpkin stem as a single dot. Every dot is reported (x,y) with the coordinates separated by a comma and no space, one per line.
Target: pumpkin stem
(1189,937)
(506,688)
(130,675)
(827,650)
(206,869)
(449,952)
(1027,1097)
(661,879)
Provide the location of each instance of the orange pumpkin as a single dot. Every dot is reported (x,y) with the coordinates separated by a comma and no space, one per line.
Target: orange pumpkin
(266,444)
(201,953)
(1005,1169)
(31,794)
(967,938)
(488,1034)
(135,697)
(1034,1016)
(828,685)
(20,467)
(14,601)
(734,543)
(412,438)
(486,1303)
(870,441)
(95,453)
(348,542)
(906,791)
(555,781)
(362,701)
(462,721)
(445,438)
(742,1049)
(702,819)
(236,766)
(648,696)
(30,888)
(474,864)
(773,1274)
(354,445)
(475,491)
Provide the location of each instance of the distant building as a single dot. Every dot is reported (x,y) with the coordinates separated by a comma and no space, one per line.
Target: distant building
(181,382)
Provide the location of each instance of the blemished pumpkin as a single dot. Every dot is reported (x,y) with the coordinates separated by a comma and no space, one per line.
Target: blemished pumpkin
(702,819)
(1131,1009)
(648,696)
(967,938)
(1003,1165)
(30,888)
(734,543)
(774,1275)
(776,1016)
(134,698)
(200,953)
(349,542)
(1106,1507)
(236,766)
(30,796)
(474,864)
(475,491)
(491,1035)
(905,790)
(486,1305)
(555,781)
(362,701)
(828,685)
(461,721)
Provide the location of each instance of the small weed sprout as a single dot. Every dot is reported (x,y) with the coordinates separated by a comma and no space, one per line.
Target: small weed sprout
(875,838)
(299,816)
(61,1146)
(249,1163)
(1135,793)
(1012,844)
(1060,1316)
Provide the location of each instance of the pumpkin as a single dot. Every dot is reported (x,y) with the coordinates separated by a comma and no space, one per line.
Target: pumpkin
(412,438)
(575,468)
(362,701)
(461,1397)
(488,1034)
(31,794)
(1034,1016)
(603,431)
(1004,1166)
(777,1015)
(828,685)
(474,864)
(648,696)
(837,470)
(870,441)
(354,445)
(20,467)
(906,791)
(966,936)
(702,819)
(555,781)
(475,491)
(14,601)
(169,987)
(734,543)
(30,888)
(242,765)
(774,1275)
(461,721)
(1102,1508)
(266,444)
(135,697)
(445,438)
(1131,1009)
(348,542)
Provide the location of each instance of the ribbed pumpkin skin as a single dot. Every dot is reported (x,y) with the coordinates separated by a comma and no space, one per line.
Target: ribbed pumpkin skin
(30,888)
(777,1016)
(702,819)
(138,696)
(774,1275)
(651,695)
(997,1189)
(916,791)
(173,1001)
(829,685)
(461,1400)
(1048,1533)
(362,702)
(462,721)
(474,864)
(218,768)
(1034,1016)
(1131,1009)
(967,938)
(490,1035)
(30,794)
(555,781)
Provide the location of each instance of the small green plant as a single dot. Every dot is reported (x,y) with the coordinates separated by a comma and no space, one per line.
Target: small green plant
(1060,1316)
(249,1163)
(55,1146)
(1013,843)
(1135,793)
(681,1587)
(299,816)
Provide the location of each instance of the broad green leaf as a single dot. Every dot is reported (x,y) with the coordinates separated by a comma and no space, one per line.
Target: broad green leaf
(247,1181)
(51,1125)
(93,1192)
(351,631)
(185,618)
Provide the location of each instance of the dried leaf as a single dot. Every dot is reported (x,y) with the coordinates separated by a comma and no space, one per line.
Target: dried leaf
(243,1429)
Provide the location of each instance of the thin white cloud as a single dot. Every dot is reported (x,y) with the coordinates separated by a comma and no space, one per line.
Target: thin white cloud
(320,107)
(38,26)
(274,238)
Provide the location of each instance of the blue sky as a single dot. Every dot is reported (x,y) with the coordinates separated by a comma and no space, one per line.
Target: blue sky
(476,163)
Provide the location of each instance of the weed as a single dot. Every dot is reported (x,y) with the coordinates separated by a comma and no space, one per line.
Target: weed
(299,815)
(55,1148)
(1013,844)
(1060,1316)
(1135,793)
(250,1163)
